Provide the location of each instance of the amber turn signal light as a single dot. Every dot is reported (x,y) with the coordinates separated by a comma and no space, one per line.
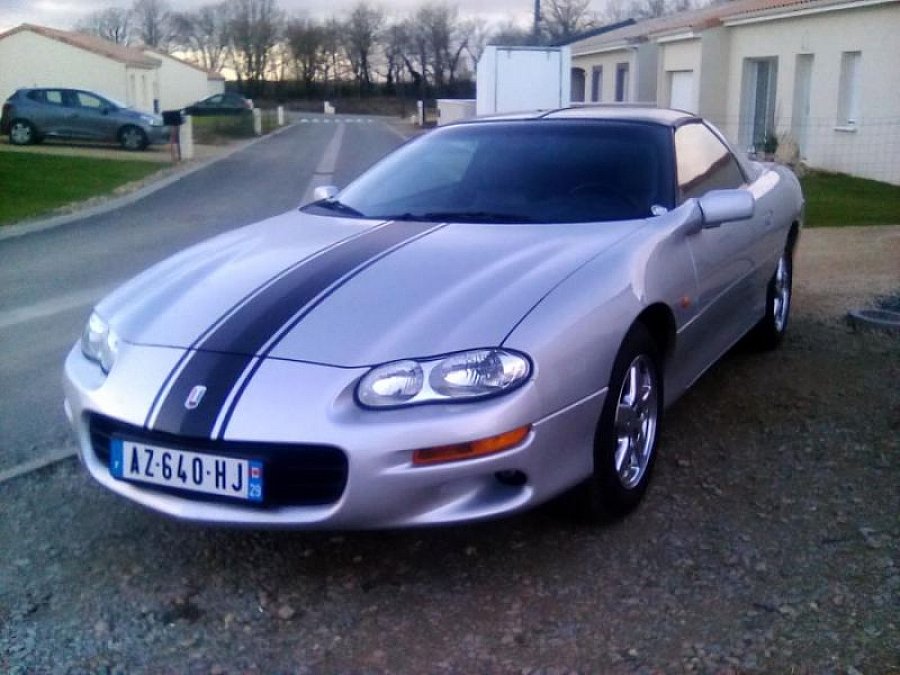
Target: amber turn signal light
(472,449)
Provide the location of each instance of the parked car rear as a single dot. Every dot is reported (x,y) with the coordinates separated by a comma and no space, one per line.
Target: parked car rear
(31,115)
(220,104)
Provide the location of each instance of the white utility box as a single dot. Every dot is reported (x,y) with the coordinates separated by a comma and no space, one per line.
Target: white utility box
(521,79)
(454,109)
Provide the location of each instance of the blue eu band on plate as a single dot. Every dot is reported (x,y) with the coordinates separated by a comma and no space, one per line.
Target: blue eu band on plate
(191,471)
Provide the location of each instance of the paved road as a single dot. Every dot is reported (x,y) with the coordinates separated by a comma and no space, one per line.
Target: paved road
(49,280)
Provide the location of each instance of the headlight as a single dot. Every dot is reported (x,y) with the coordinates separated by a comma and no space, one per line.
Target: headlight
(464,376)
(99,343)
(152,121)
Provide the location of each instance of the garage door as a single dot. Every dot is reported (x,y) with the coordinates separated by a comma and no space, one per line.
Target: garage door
(681,88)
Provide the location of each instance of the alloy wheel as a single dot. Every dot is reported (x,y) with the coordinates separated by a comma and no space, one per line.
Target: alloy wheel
(636,420)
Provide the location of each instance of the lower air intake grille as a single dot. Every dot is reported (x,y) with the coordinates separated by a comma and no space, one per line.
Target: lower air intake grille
(294,475)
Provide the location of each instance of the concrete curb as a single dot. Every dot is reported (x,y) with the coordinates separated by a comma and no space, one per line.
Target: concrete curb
(34,226)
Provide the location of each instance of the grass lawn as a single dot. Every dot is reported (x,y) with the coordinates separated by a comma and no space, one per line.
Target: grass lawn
(33,184)
(835,200)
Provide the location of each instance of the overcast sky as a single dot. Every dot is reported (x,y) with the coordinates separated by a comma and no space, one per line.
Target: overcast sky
(64,13)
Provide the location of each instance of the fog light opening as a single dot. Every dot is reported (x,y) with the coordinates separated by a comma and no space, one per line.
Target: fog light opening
(511,477)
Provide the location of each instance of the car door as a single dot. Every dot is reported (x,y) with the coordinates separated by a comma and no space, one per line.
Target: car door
(726,257)
(49,113)
(92,116)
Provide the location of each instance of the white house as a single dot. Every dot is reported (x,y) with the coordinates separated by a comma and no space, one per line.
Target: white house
(37,56)
(148,80)
(181,83)
(822,73)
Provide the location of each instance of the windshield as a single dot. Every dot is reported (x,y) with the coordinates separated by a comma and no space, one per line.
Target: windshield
(545,171)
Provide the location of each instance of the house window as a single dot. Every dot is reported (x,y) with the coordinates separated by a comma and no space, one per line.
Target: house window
(577,93)
(848,90)
(597,84)
(757,127)
(621,82)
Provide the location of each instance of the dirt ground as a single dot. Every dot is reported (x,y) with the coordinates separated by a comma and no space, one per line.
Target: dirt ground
(839,269)
(769,542)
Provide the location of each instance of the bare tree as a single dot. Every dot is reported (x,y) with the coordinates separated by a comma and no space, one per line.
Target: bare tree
(254,28)
(112,23)
(203,34)
(617,10)
(479,34)
(361,32)
(332,64)
(564,19)
(439,24)
(305,39)
(394,45)
(151,22)
(511,35)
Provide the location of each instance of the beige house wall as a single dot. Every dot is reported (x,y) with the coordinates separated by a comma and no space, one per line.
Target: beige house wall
(608,60)
(870,148)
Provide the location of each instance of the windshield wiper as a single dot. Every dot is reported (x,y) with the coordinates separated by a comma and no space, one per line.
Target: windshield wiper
(463,216)
(335,205)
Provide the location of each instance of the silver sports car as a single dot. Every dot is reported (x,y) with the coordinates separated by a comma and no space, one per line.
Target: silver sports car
(495,314)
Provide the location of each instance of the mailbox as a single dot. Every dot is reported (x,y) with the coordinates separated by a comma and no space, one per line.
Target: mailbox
(172,118)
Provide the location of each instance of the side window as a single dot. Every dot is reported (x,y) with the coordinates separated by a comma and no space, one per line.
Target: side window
(215,100)
(88,101)
(37,95)
(53,96)
(703,162)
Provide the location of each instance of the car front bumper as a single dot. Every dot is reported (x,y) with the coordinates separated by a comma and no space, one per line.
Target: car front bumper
(157,135)
(301,403)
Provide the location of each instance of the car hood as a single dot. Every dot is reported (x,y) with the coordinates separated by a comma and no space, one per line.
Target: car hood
(351,292)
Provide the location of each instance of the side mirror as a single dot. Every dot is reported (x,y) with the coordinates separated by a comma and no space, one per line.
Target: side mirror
(721,206)
(325,192)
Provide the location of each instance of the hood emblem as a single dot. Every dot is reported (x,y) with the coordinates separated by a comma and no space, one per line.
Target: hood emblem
(194,398)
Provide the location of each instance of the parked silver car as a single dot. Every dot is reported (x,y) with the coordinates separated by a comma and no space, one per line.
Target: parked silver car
(493,315)
(30,115)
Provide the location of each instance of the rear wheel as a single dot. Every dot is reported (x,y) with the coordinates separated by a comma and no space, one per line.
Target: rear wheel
(770,331)
(133,138)
(627,434)
(22,132)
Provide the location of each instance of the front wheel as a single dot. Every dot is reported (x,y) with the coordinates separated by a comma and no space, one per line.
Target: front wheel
(22,132)
(628,432)
(133,138)
(770,330)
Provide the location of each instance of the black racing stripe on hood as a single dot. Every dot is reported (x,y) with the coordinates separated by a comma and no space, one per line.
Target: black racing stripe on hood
(221,357)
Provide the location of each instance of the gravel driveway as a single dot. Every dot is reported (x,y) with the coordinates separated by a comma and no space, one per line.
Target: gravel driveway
(768,543)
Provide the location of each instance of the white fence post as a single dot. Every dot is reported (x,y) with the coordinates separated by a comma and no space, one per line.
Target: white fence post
(281,115)
(257,121)
(186,138)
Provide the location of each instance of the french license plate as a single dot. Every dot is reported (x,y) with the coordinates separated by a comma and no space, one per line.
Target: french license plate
(196,472)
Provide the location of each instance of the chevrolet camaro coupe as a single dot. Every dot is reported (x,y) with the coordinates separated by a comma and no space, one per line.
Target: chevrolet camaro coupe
(494,315)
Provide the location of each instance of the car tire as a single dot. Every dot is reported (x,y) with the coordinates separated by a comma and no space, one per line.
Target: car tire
(770,331)
(628,432)
(22,132)
(132,138)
